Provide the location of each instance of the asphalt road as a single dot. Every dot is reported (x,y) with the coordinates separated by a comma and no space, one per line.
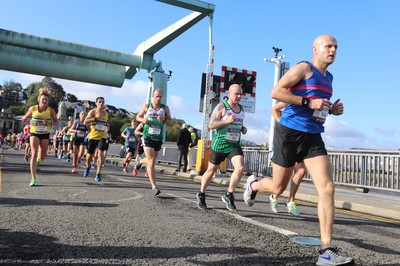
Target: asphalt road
(71,220)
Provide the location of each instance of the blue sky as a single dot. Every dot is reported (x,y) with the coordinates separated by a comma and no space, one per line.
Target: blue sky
(365,69)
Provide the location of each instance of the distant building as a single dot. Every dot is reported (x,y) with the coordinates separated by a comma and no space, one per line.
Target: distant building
(125,113)
(10,123)
(7,122)
(89,104)
(111,109)
(9,98)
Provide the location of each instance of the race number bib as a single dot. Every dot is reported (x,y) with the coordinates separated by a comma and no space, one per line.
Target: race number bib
(80,134)
(233,135)
(154,130)
(100,127)
(320,116)
(131,139)
(41,128)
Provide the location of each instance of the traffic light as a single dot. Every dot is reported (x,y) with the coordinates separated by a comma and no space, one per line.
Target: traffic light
(216,89)
(216,85)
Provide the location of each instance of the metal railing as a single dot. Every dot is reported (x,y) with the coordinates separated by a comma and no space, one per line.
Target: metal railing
(358,168)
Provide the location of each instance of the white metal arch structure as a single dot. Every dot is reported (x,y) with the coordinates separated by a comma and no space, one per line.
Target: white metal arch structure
(48,57)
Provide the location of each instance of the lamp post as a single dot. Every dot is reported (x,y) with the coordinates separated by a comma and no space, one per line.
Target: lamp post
(277,60)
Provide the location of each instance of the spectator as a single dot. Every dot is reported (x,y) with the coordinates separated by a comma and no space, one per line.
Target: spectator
(184,139)
(192,147)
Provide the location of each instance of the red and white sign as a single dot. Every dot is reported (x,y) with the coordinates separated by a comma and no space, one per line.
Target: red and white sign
(248,100)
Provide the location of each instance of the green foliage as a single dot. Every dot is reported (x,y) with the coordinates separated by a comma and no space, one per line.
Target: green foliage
(33,97)
(117,122)
(12,86)
(71,98)
(19,109)
(116,125)
(173,131)
(57,92)
(127,124)
(32,88)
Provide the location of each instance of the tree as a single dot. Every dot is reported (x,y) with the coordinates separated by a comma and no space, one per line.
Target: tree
(116,125)
(32,88)
(33,97)
(173,131)
(57,92)
(71,98)
(12,86)
(19,109)
(125,125)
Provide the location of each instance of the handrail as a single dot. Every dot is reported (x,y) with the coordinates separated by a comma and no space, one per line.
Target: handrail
(377,169)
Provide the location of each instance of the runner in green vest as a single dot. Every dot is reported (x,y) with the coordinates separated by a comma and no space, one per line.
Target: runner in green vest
(227,121)
(153,115)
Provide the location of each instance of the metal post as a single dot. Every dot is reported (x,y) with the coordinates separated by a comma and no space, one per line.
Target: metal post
(277,61)
(207,103)
(209,93)
(158,80)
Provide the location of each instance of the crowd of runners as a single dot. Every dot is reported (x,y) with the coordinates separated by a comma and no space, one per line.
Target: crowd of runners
(86,137)
(304,92)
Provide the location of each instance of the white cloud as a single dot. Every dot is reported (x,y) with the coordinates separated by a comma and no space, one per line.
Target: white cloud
(131,96)
(385,130)
(342,129)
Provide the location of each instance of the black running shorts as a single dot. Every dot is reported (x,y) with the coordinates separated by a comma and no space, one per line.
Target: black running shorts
(291,146)
(149,143)
(40,136)
(216,158)
(93,144)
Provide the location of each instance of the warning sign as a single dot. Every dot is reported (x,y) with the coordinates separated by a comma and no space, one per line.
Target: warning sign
(247,79)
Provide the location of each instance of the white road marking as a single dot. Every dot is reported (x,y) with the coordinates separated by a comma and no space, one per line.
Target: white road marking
(20,193)
(245,219)
(121,179)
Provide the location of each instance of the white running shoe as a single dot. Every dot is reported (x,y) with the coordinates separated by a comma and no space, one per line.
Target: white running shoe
(249,196)
(156,191)
(332,257)
(273,203)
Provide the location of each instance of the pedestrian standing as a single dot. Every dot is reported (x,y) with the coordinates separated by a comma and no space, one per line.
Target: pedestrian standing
(183,141)
(192,148)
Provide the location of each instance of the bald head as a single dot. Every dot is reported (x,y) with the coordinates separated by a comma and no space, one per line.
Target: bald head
(234,94)
(324,48)
(322,39)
